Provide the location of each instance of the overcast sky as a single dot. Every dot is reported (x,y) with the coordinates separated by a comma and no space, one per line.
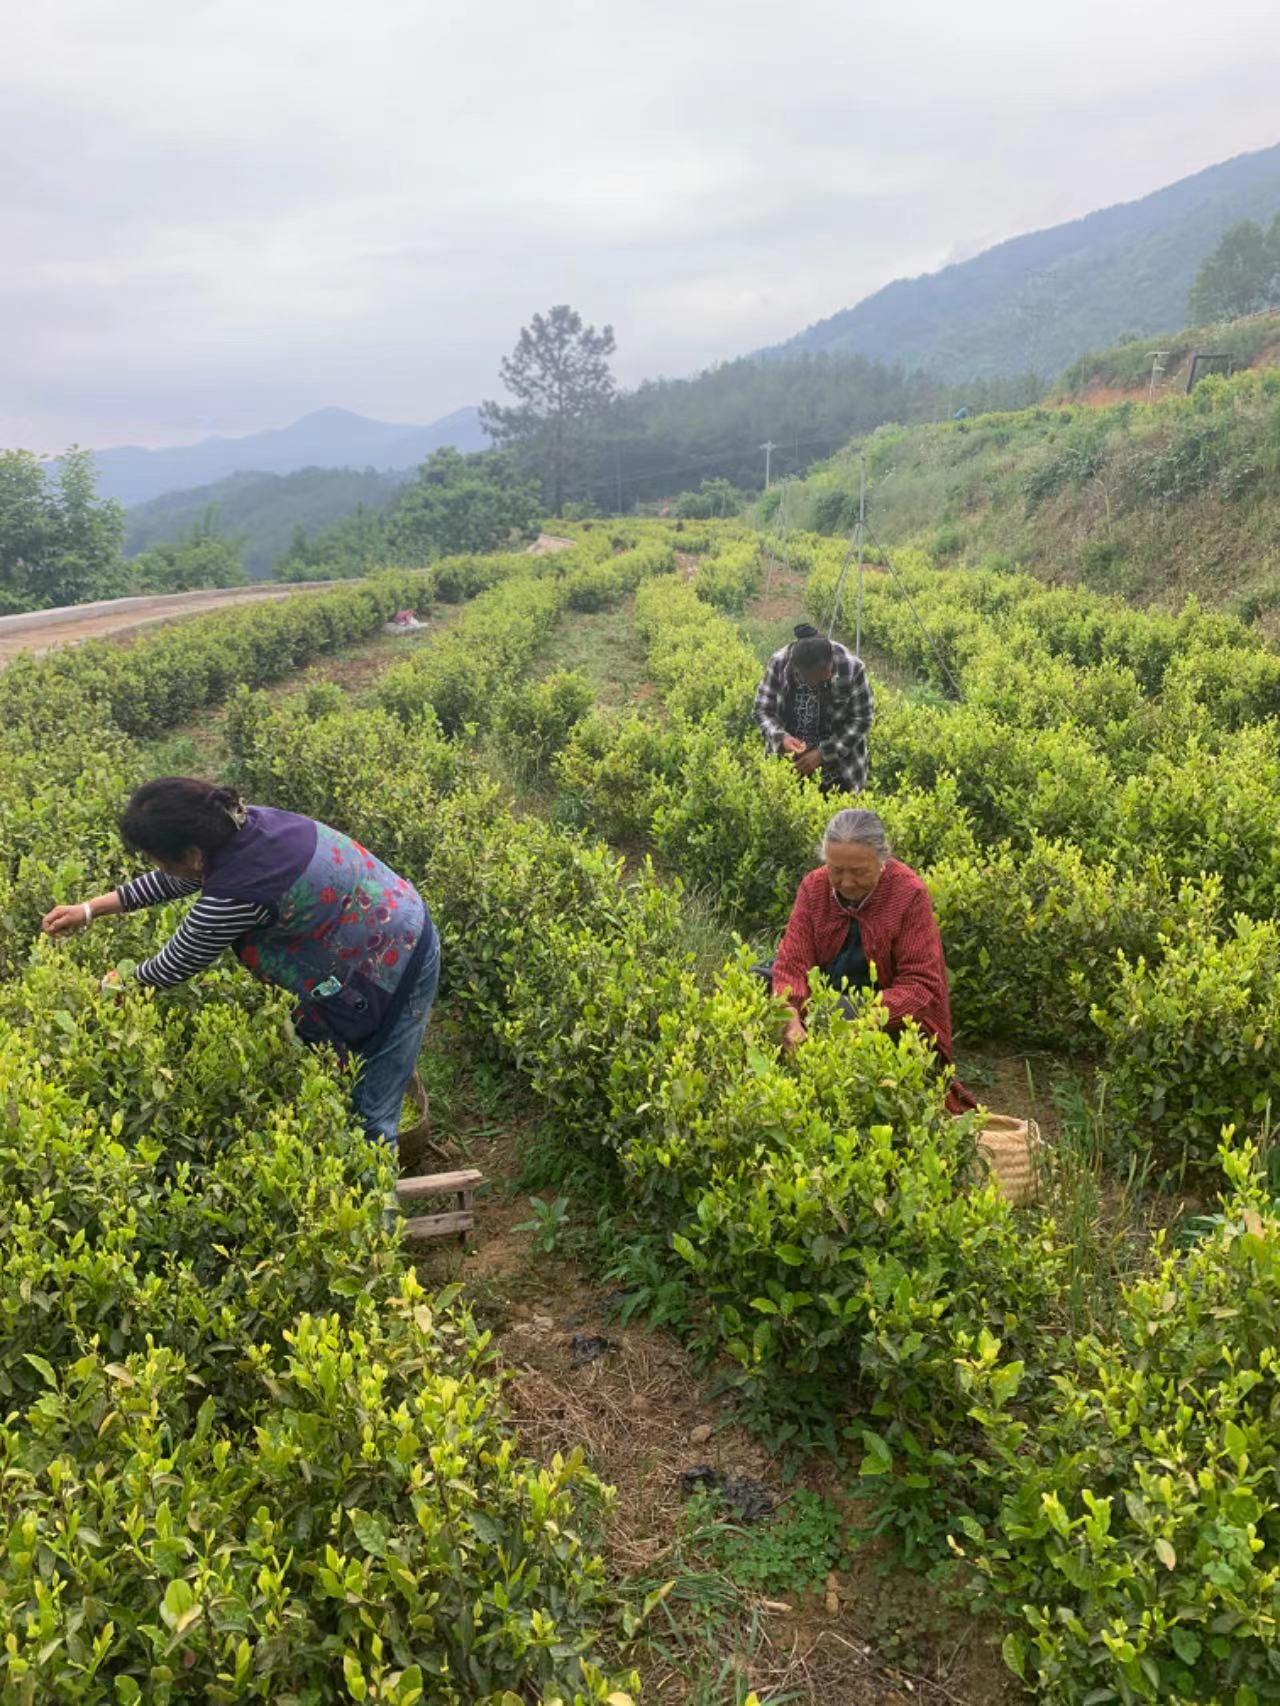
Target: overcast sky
(216,215)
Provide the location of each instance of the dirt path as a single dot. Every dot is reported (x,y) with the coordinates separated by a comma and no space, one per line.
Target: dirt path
(45,630)
(644,1414)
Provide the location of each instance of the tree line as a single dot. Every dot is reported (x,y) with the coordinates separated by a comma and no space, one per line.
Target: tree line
(61,543)
(1241,276)
(599,449)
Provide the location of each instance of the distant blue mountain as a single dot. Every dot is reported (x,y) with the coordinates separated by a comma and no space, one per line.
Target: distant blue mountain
(1036,303)
(329,438)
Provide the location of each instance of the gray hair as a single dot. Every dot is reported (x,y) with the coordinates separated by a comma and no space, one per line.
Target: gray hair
(855,824)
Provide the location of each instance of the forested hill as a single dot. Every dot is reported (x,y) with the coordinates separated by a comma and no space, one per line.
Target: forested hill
(1034,302)
(260,511)
(662,439)
(670,434)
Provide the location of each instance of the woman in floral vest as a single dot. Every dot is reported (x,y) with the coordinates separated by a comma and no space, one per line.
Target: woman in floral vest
(301,906)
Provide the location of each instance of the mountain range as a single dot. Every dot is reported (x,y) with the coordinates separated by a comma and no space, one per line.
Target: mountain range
(1037,302)
(329,438)
(1031,305)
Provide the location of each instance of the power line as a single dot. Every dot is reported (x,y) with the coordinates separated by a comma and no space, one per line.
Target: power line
(739,452)
(856,547)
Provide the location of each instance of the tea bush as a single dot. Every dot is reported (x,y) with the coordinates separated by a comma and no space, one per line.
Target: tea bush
(729,575)
(536,719)
(1136,1537)
(1193,1042)
(322,764)
(612,769)
(1032,939)
(458,679)
(594,587)
(165,678)
(244,1453)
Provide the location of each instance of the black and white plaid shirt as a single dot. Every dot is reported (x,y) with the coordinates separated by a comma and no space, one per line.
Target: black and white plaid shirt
(844,712)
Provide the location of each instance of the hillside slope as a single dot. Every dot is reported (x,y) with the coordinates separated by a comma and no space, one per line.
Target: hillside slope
(261,509)
(1150,501)
(1126,367)
(329,438)
(1034,302)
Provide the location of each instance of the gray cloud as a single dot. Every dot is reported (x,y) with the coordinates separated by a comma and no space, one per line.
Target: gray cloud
(223,213)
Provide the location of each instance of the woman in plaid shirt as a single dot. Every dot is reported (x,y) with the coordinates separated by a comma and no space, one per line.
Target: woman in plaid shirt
(814,706)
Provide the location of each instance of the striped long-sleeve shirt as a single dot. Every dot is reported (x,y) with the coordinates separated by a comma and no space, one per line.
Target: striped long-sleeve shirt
(211,925)
(844,712)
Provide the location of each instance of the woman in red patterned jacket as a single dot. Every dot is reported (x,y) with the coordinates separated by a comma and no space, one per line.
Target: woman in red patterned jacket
(865,919)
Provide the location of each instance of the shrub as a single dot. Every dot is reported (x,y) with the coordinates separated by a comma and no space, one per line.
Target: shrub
(167,677)
(1193,1041)
(457,680)
(594,587)
(1032,939)
(612,771)
(728,577)
(536,719)
(1137,1528)
(365,774)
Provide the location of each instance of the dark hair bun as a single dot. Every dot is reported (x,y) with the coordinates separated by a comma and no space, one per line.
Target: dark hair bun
(805,631)
(167,817)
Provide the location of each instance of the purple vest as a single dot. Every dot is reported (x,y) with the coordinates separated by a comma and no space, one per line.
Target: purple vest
(346,930)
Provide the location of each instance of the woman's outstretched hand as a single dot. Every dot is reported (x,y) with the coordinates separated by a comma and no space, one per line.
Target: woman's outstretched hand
(66,920)
(794,1034)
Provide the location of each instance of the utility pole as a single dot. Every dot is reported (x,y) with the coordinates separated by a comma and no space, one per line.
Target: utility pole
(784,527)
(617,469)
(1157,368)
(768,449)
(862,529)
(856,545)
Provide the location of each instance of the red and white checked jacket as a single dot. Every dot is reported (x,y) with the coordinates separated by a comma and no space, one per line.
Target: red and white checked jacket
(900,938)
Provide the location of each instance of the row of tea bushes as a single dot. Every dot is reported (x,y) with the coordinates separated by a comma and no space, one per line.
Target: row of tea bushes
(827,1215)
(168,677)
(459,680)
(245,1455)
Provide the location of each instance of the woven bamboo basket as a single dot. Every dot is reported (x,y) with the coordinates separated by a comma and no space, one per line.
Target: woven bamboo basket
(416,1142)
(1009,1148)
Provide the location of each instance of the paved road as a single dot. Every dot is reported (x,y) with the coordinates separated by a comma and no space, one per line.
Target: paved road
(44,630)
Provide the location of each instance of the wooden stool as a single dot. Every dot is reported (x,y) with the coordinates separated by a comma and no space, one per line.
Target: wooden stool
(458,1218)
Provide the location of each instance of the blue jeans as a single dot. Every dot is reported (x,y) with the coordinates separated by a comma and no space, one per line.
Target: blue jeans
(389,1058)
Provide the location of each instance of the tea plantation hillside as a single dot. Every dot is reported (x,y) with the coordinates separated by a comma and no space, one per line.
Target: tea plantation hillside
(252,1452)
(1149,502)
